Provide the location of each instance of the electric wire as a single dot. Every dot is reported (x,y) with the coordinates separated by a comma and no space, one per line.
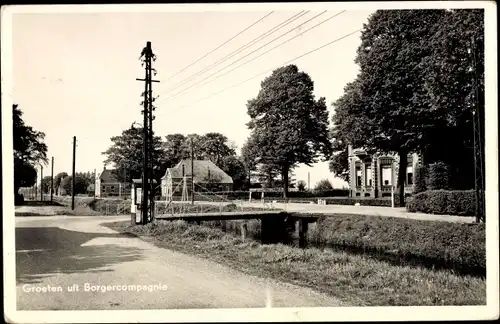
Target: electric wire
(271,69)
(256,57)
(218,47)
(275,39)
(228,56)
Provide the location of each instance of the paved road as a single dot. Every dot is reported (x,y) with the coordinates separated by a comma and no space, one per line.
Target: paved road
(62,251)
(359,210)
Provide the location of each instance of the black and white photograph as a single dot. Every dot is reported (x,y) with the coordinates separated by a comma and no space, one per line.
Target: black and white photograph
(326,161)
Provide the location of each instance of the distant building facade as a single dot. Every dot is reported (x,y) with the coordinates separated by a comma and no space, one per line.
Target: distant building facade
(107,185)
(375,175)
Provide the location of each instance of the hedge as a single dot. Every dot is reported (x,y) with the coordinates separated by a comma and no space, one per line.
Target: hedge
(444,202)
(438,176)
(461,247)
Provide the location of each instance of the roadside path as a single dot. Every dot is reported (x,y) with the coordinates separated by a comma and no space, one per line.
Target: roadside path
(62,251)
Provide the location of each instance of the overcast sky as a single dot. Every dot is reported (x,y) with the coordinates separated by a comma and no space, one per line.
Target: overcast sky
(74,73)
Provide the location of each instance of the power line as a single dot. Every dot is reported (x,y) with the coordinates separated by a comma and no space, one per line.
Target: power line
(176,94)
(228,56)
(238,34)
(256,57)
(264,72)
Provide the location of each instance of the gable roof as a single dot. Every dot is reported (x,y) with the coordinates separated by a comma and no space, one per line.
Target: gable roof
(108,175)
(201,171)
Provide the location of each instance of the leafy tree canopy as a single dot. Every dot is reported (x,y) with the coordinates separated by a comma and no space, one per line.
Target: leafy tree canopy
(323,185)
(288,125)
(126,154)
(401,98)
(235,168)
(29,150)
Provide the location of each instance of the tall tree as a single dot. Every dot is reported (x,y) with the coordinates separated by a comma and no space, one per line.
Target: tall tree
(45,184)
(175,148)
(339,164)
(291,126)
(215,147)
(450,72)
(414,89)
(384,109)
(235,168)
(57,180)
(29,150)
(249,157)
(126,153)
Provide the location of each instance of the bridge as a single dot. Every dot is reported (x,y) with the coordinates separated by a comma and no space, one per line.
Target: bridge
(274,223)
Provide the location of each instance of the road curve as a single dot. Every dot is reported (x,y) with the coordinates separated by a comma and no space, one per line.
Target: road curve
(69,251)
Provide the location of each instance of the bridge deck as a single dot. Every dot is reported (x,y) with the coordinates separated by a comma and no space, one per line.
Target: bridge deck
(224,215)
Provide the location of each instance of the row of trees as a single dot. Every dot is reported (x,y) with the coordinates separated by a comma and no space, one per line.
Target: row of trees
(421,75)
(414,93)
(126,154)
(64,182)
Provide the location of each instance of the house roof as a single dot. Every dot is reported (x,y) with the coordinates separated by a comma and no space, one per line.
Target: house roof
(107,175)
(201,171)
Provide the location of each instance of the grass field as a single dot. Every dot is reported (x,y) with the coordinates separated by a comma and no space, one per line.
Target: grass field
(356,279)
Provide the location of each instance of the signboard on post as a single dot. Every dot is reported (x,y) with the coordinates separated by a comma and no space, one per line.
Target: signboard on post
(138,199)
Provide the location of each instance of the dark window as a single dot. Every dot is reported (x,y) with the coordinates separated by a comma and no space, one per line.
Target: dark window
(409,175)
(410,178)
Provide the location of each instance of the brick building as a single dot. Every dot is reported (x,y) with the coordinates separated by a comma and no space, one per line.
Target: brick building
(375,175)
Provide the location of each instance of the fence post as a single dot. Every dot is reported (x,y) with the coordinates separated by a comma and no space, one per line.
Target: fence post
(244,231)
(392,196)
(107,208)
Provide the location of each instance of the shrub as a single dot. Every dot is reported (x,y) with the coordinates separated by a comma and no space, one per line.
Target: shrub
(419,184)
(323,185)
(448,202)
(453,245)
(438,176)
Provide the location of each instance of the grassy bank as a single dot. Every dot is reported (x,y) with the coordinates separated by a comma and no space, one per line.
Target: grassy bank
(455,246)
(355,279)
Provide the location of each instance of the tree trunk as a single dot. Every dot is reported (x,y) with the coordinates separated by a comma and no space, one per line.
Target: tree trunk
(403,162)
(284,176)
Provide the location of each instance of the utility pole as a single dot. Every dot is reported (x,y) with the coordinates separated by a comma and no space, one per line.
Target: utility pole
(41,182)
(73,176)
(95,182)
(147,57)
(192,172)
(478,146)
(309,181)
(52,181)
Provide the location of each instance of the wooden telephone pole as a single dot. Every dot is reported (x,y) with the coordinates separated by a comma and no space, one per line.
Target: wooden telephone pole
(52,181)
(73,176)
(478,144)
(192,172)
(148,195)
(41,182)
